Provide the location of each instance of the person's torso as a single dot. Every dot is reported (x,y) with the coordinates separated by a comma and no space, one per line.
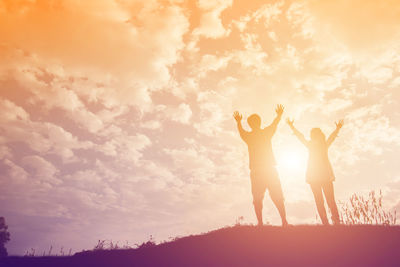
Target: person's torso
(260,149)
(318,153)
(319,168)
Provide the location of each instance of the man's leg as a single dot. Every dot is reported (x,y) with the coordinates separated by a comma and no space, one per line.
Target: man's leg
(258,205)
(319,201)
(330,199)
(276,194)
(258,191)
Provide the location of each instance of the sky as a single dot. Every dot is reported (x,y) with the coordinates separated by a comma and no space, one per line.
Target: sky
(116,115)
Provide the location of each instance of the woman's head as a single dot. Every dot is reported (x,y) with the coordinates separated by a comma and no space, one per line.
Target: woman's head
(317,135)
(254,121)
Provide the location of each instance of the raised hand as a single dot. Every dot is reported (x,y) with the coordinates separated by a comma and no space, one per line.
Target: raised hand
(279,109)
(237,116)
(296,132)
(334,134)
(339,124)
(290,122)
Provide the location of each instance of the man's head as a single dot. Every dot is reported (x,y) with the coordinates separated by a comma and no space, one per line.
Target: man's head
(254,121)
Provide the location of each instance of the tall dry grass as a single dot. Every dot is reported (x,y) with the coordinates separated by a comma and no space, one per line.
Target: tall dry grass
(367,210)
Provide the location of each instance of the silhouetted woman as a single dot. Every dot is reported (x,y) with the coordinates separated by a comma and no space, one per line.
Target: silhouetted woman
(319,170)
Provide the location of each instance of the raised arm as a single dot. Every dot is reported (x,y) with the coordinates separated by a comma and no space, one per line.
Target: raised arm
(296,132)
(242,132)
(279,110)
(335,133)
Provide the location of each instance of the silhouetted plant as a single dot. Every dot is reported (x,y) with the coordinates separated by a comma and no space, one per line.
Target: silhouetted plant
(239,221)
(148,244)
(110,245)
(360,210)
(33,253)
(4,237)
(101,245)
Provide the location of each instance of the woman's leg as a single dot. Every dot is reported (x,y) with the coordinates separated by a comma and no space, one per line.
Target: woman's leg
(330,199)
(319,201)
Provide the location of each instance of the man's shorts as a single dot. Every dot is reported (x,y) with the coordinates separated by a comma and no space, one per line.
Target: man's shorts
(264,178)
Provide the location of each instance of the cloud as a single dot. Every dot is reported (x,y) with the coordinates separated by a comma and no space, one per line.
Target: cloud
(43,137)
(371,128)
(182,114)
(299,17)
(212,112)
(43,170)
(268,13)
(11,112)
(359,24)
(127,147)
(126,47)
(15,173)
(210,22)
(5,152)
(151,124)
(212,63)
(381,69)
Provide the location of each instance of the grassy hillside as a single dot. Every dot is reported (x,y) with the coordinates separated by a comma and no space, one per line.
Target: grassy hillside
(251,246)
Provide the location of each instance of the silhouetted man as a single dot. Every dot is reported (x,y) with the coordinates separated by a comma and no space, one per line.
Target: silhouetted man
(263,173)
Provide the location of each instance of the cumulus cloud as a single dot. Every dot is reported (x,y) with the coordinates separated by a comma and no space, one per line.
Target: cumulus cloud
(210,22)
(131,46)
(11,112)
(42,137)
(124,146)
(182,114)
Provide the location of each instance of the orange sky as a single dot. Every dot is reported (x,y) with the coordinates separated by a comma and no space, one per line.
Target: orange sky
(116,115)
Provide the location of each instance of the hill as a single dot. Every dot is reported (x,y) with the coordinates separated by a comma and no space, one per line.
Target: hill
(362,245)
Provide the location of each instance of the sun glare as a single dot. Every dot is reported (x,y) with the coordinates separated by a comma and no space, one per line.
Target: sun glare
(291,161)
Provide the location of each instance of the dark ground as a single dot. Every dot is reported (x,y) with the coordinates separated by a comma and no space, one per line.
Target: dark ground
(250,246)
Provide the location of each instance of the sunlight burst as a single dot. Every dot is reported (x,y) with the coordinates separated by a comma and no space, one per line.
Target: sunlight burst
(291,161)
